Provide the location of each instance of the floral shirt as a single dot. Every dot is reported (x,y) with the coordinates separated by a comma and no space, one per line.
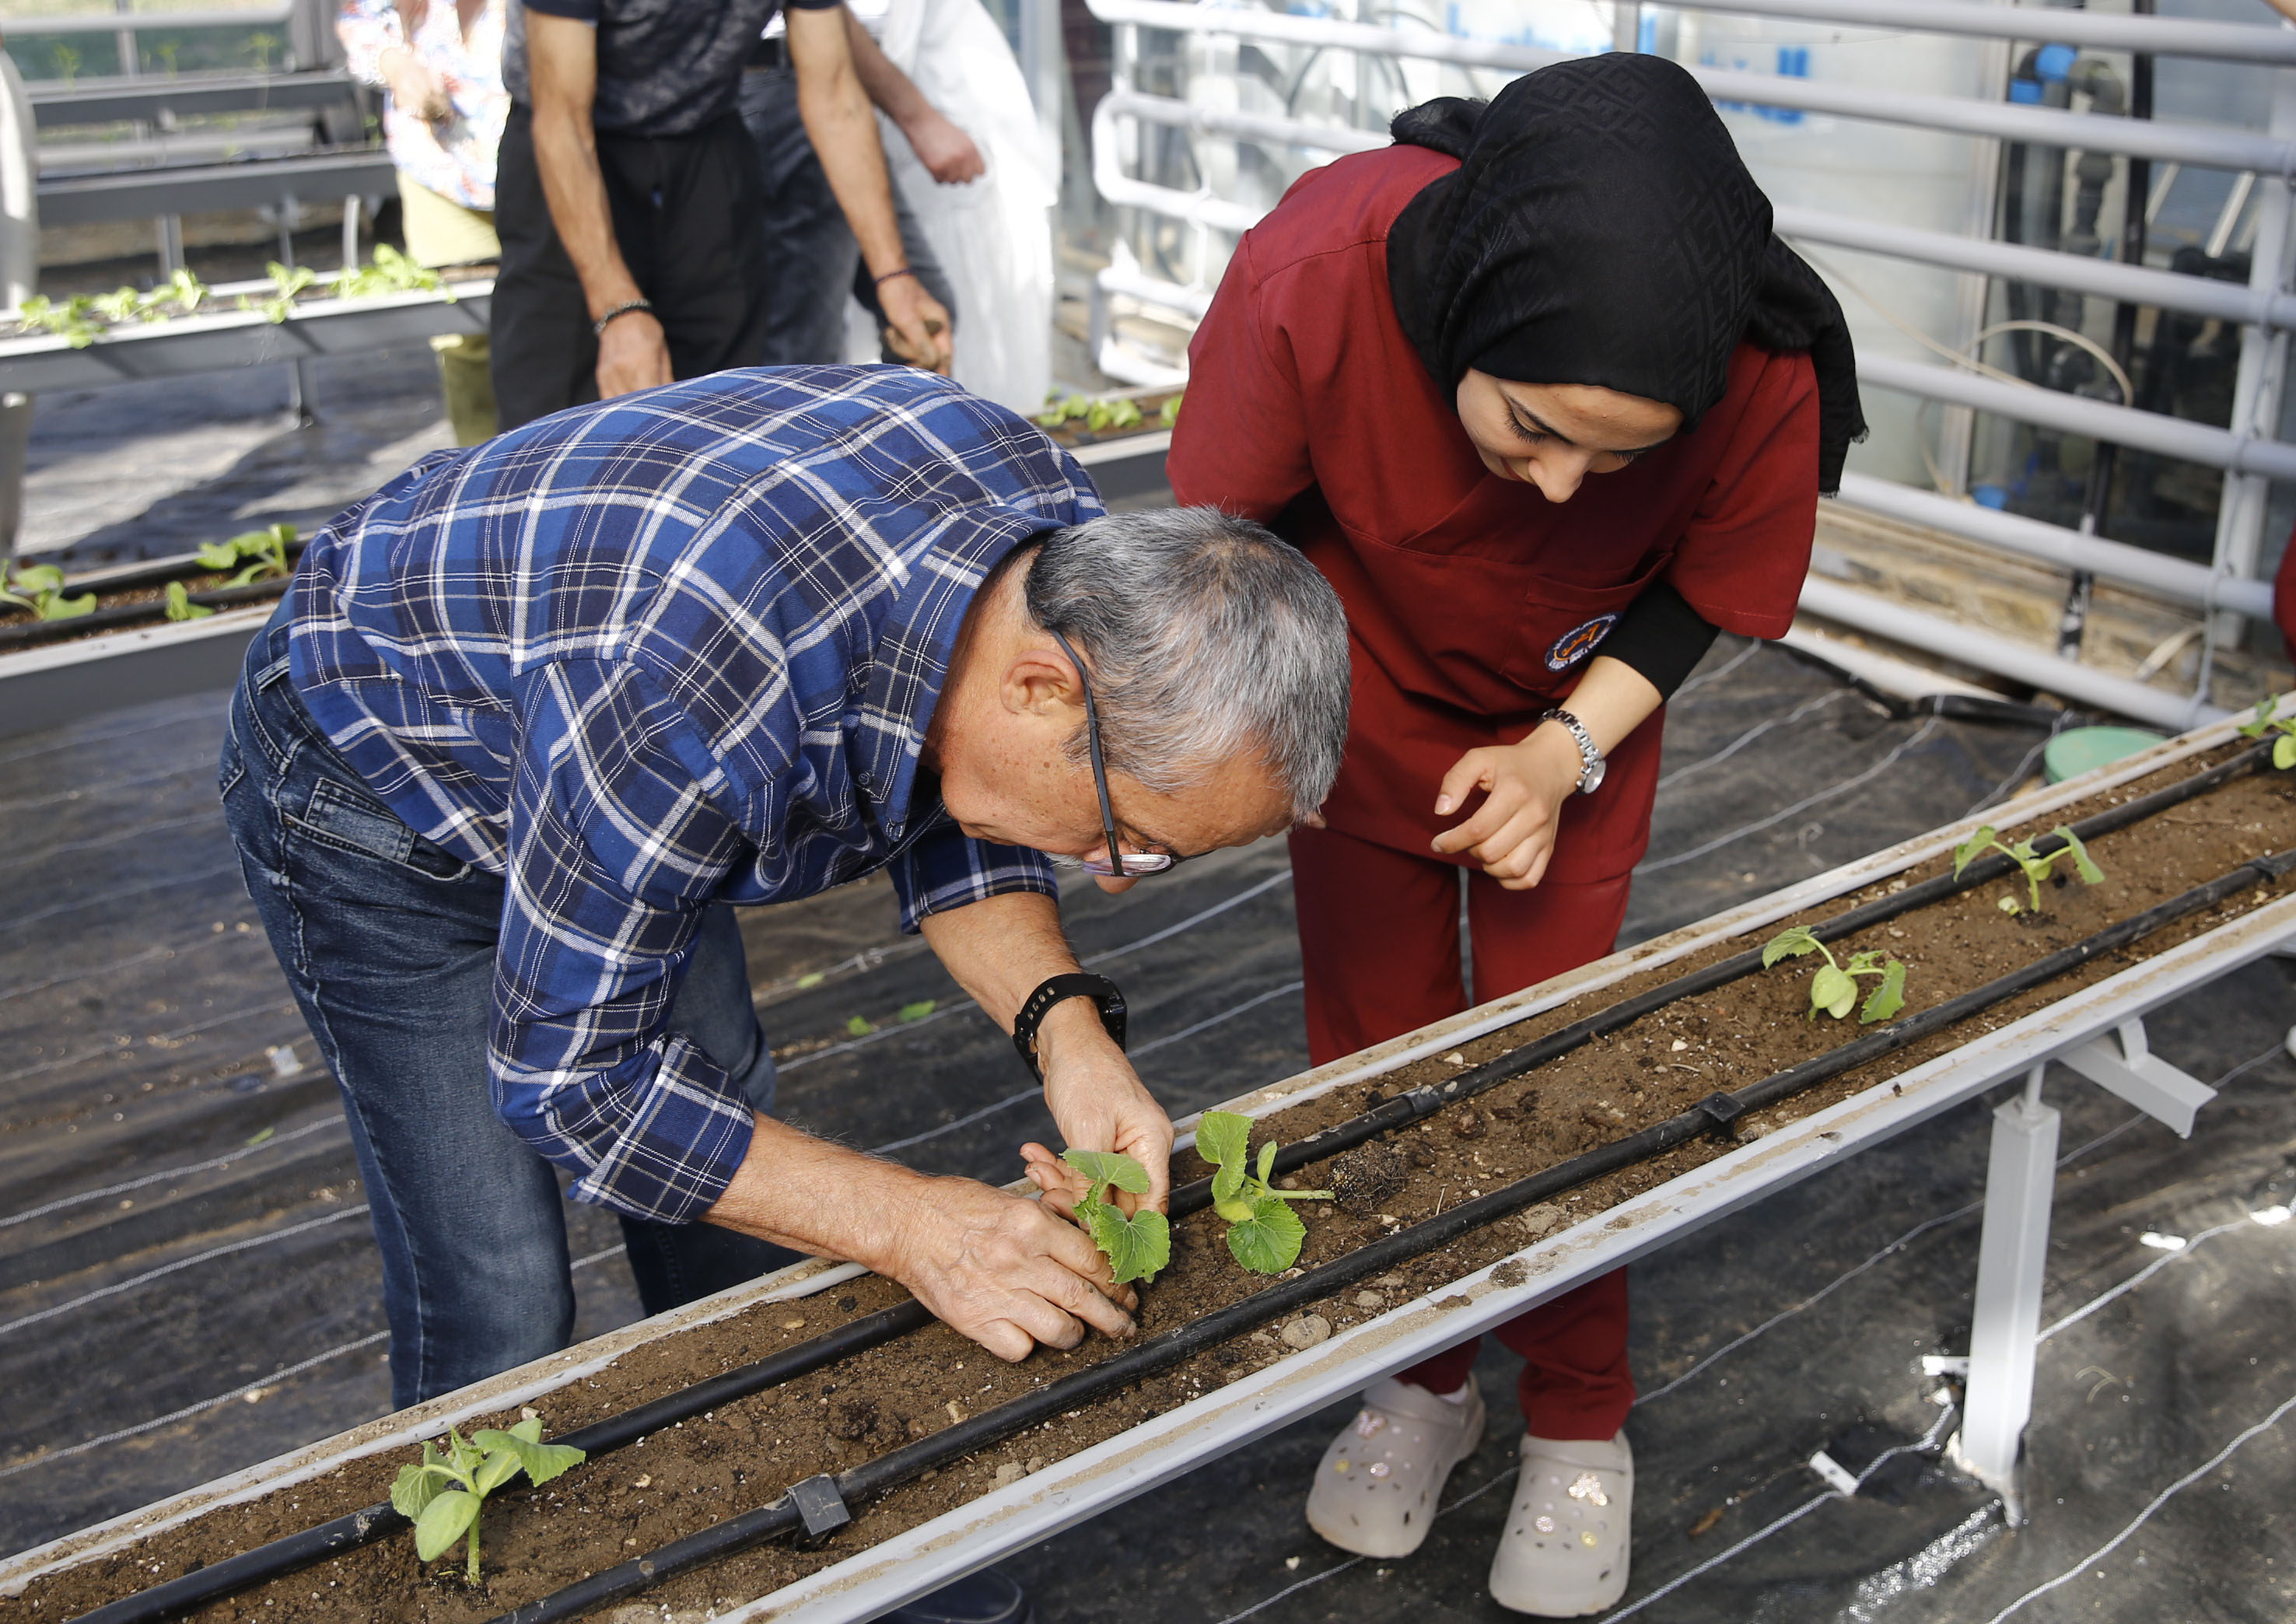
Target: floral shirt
(453,157)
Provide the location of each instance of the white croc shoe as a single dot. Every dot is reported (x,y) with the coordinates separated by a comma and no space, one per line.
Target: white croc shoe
(1378,1486)
(1564,1551)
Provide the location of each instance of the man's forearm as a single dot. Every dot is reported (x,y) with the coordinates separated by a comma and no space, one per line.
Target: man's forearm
(804,1192)
(1001,950)
(565,149)
(843,129)
(887,85)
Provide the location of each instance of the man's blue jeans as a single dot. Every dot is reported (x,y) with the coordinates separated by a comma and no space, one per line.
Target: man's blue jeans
(387,940)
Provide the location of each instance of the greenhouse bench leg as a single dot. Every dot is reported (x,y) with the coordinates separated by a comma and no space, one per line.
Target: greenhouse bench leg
(2013,1252)
(2012,1255)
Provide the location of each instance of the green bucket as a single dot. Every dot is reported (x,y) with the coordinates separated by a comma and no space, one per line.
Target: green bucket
(2079,750)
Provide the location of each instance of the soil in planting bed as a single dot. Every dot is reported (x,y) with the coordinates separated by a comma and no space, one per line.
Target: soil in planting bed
(685,1477)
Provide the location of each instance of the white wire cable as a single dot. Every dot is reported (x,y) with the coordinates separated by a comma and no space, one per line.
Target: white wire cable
(186,1171)
(149,1276)
(1803,804)
(2156,1502)
(122,895)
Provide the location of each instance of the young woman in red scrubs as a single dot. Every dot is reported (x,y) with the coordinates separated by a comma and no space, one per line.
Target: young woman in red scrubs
(1541,394)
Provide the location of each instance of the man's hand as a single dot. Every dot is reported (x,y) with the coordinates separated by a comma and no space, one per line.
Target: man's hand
(918,326)
(1101,1105)
(1005,1272)
(946,151)
(632,355)
(1512,834)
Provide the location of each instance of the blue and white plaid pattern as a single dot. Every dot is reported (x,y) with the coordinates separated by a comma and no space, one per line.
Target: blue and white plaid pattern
(675,648)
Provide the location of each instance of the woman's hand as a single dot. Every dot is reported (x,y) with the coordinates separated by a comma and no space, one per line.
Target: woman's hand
(1512,834)
(1101,1105)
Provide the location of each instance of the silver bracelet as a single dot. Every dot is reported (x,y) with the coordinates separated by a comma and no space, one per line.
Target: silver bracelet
(598,327)
(1591,761)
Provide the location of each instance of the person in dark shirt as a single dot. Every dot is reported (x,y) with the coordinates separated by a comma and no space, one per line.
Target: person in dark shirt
(628,194)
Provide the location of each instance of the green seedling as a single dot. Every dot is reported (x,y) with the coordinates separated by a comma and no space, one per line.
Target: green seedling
(1263,1231)
(180,606)
(859,1026)
(40,588)
(390,272)
(2268,719)
(919,1010)
(1168,413)
(1058,410)
(1137,1247)
(2037,868)
(67,64)
(1105,414)
(1835,989)
(260,46)
(443,1495)
(258,555)
(182,290)
(71,321)
(286,282)
(119,305)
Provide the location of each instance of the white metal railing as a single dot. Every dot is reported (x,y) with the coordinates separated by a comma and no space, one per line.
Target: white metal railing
(131,22)
(2249,453)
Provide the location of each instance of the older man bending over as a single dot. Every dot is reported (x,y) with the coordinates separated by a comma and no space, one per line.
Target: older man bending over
(534,713)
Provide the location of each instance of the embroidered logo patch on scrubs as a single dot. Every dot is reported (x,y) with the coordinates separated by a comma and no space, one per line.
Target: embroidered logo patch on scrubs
(1575,644)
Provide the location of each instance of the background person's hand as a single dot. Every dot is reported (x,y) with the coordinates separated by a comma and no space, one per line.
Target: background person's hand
(414,85)
(1002,1270)
(918,328)
(946,151)
(632,355)
(1512,834)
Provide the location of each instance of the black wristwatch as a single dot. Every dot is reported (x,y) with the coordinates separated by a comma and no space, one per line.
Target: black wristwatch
(1076,984)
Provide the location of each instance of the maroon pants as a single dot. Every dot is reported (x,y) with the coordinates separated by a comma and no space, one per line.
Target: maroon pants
(1379,935)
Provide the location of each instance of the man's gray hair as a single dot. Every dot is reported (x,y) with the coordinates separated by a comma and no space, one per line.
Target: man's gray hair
(1203,636)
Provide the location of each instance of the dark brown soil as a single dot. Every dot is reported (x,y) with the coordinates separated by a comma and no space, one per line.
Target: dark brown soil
(687,1477)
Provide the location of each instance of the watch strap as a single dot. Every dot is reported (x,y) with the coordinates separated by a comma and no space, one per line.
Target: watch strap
(1590,757)
(1058,990)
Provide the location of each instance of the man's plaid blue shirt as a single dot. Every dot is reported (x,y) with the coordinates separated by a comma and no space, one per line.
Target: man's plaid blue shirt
(677,648)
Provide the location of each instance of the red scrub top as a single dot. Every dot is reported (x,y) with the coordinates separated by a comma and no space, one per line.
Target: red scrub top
(1472,602)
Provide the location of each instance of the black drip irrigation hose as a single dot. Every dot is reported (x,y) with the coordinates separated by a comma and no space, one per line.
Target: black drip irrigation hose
(281,1557)
(1159,1353)
(293,1552)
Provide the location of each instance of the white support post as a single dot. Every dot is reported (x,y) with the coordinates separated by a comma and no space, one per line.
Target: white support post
(2012,1254)
(2258,379)
(2130,1070)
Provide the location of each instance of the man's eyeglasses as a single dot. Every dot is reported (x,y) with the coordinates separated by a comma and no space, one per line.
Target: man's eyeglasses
(1131,864)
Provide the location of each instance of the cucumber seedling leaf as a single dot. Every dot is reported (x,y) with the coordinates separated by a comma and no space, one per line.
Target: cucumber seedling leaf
(1110,1168)
(1137,1247)
(444,1493)
(1790,943)
(2083,863)
(1886,999)
(1268,1242)
(1264,1235)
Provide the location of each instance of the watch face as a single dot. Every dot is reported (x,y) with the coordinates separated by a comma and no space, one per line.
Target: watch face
(1591,779)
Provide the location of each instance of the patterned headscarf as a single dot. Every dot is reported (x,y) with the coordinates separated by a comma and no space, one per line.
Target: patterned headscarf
(1602,229)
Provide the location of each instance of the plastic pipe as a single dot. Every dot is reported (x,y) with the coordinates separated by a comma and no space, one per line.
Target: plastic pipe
(2185,143)
(1990,651)
(2174,437)
(2231,42)
(2155,572)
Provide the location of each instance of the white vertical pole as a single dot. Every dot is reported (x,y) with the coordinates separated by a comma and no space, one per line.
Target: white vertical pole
(1042,64)
(1626,25)
(2011,1253)
(2262,370)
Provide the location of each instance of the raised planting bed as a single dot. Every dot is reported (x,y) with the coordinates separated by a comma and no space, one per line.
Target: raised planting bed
(1477,1165)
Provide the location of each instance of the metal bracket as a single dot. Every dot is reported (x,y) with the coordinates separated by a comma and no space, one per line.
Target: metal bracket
(820,1505)
(2142,1078)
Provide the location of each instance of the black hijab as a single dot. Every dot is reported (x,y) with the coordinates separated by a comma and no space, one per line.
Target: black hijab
(1601,229)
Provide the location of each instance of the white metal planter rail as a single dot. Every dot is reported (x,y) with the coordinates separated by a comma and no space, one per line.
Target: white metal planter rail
(2093,1030)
